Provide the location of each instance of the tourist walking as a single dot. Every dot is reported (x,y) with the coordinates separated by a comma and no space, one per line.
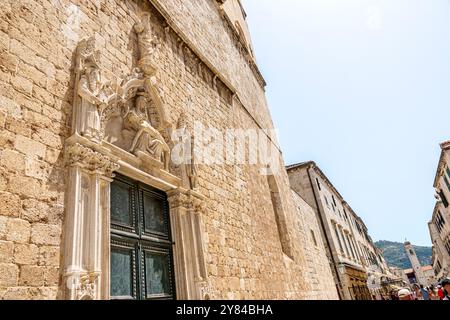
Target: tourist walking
(446,286)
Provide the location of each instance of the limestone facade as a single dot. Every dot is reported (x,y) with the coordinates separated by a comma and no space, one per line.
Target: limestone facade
(358,267)
(439,225)
(319,276)
(93,90)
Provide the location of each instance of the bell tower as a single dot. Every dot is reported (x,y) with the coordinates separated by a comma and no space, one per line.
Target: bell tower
(420,277)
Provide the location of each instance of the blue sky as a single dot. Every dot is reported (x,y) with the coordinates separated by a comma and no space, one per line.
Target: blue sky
(362,88)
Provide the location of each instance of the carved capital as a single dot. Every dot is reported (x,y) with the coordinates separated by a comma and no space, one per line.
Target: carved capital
(179,200)
(198,205)
(87,287)
(90,160)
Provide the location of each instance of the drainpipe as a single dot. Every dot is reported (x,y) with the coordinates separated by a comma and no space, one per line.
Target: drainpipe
(328,246)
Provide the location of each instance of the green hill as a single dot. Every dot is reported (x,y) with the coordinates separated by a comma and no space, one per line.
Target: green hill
(395,254)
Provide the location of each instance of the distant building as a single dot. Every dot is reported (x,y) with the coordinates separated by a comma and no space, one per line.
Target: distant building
(400,273)
(418,275)
(428,277)
(439,226)
(359,268)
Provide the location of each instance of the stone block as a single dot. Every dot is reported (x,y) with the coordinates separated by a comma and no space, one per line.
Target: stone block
(32,276)
(11,107)
(10,204)
(8,62)
(29,147)
(18,230)
(8,274)
(3,116)
(22,84)
(18,126)
(26,254)
(13,161)
(32,74)
(43,234)
(36,169)
(49,256)
(34,210)
(25,186)
(6,251)
(48,138)
(51,276)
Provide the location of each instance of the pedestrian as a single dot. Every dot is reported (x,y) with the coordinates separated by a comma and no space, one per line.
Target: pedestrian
(433,293)
(440,292)
(424,293)
(446,286)
(416,293)
(404,294)
(394,296)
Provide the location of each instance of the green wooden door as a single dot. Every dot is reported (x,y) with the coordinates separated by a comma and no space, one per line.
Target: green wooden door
(141,244)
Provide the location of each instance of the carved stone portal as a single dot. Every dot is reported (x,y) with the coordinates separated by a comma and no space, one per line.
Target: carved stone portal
(125,114)
(122,127)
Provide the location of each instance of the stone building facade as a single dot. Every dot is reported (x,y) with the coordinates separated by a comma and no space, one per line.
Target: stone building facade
(417,268)
(94,201)
(439,225)
(319,276)
(358,267)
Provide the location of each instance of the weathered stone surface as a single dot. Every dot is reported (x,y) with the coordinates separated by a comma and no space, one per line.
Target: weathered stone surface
(49,256)
(6,251)
(11,107)
(29,147)
(10,204)
(2,119)
(3,226)
(26,254)
(9,273)
(18,230)
(45,234)
(34,210)
(13,161)
(25,186)
(22,84)
(17,293)
(51,276)
(31,276)
(36,169)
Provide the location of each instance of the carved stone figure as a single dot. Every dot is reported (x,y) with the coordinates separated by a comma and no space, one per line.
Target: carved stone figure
(92,94)
(147,43)
(188,151)
(147,140)
(89,90)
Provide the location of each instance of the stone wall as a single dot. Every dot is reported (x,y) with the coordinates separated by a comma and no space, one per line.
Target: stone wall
(244,256)
(319,277)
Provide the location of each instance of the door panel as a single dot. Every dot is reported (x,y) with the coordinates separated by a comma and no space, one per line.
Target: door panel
(140,232)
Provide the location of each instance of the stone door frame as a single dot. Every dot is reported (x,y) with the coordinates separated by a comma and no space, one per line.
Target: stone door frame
(86,239)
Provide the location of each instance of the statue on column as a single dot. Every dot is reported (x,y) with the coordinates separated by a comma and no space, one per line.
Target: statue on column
(147,140)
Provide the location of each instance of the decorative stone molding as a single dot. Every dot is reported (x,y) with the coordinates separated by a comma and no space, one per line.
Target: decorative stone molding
(189,253)
(87,287)
(90,160)
(122,128)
